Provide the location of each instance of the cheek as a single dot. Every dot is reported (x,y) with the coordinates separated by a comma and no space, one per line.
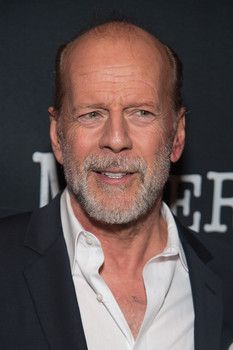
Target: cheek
(150,142)
(81,143)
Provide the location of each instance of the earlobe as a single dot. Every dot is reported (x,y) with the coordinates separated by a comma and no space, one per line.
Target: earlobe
(179,139)
(54,138)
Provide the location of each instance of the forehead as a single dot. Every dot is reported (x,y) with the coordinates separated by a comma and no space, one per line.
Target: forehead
(128,65)
(98,51)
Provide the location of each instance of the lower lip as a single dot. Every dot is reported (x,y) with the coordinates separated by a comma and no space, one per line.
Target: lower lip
(114,181)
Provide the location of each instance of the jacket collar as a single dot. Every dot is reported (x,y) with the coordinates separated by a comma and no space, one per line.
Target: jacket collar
(50,282)
(44,227)
(206,292)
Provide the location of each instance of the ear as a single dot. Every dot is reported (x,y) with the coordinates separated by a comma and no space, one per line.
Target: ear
(179,139)
(54,137)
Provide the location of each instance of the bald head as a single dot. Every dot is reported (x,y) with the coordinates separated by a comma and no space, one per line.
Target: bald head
(128,39)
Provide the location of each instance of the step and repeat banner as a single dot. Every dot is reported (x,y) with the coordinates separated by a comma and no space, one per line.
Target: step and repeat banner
(200,189)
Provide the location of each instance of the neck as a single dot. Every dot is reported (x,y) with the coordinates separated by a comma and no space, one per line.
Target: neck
(129,246)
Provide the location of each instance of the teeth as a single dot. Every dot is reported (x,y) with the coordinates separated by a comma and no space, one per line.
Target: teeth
(115,175)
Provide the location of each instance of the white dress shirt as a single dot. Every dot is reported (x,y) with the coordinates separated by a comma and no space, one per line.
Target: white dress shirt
(169,318)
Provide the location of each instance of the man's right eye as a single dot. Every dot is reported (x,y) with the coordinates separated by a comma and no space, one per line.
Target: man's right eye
(89,117)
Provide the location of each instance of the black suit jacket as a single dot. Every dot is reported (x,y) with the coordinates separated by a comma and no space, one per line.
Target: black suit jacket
(38,305)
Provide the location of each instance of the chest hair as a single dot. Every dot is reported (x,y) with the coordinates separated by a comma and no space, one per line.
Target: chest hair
(131,298)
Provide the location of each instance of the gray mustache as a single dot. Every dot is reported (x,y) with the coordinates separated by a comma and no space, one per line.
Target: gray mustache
(123,164)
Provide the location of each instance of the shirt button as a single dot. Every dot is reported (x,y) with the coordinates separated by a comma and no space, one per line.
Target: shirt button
(99,297)
(89,240)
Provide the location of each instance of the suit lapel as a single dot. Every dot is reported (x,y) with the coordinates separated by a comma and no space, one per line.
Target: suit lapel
(50,282)
(206,291)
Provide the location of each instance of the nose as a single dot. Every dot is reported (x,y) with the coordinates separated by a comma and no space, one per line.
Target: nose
(116,135)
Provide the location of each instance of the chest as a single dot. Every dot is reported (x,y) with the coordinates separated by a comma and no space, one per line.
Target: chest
(131,298)
(166,304)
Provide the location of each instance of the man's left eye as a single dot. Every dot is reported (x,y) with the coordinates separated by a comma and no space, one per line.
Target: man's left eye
(92,115)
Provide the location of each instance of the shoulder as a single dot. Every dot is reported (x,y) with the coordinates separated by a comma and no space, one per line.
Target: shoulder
(24,236)
(18,219)
(217,246)
(218,250)
(12,235)
(215,250)
(14,225)
(221,247)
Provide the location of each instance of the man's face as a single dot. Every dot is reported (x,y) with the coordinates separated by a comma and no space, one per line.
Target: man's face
(117,128)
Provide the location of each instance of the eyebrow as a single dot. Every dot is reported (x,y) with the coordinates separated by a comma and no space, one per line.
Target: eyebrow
(105,107)
(94,105)
(143,104)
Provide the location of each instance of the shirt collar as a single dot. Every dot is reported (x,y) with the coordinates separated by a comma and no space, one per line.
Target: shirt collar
(72,229)
(173,242)
(71,226)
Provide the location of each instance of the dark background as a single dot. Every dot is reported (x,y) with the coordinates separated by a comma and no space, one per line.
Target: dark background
(201,32)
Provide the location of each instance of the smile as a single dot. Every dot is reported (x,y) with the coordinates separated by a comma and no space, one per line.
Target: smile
(114,175)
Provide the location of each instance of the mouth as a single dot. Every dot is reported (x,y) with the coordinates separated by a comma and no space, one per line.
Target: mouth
(111,175)
(114,177)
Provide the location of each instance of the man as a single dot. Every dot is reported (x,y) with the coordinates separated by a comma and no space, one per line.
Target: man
(105,265)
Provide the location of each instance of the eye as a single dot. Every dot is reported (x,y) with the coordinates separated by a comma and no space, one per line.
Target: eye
(89,117)
(143,113)
(141,117)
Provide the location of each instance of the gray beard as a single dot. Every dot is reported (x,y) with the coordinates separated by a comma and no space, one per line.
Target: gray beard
(103,208)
